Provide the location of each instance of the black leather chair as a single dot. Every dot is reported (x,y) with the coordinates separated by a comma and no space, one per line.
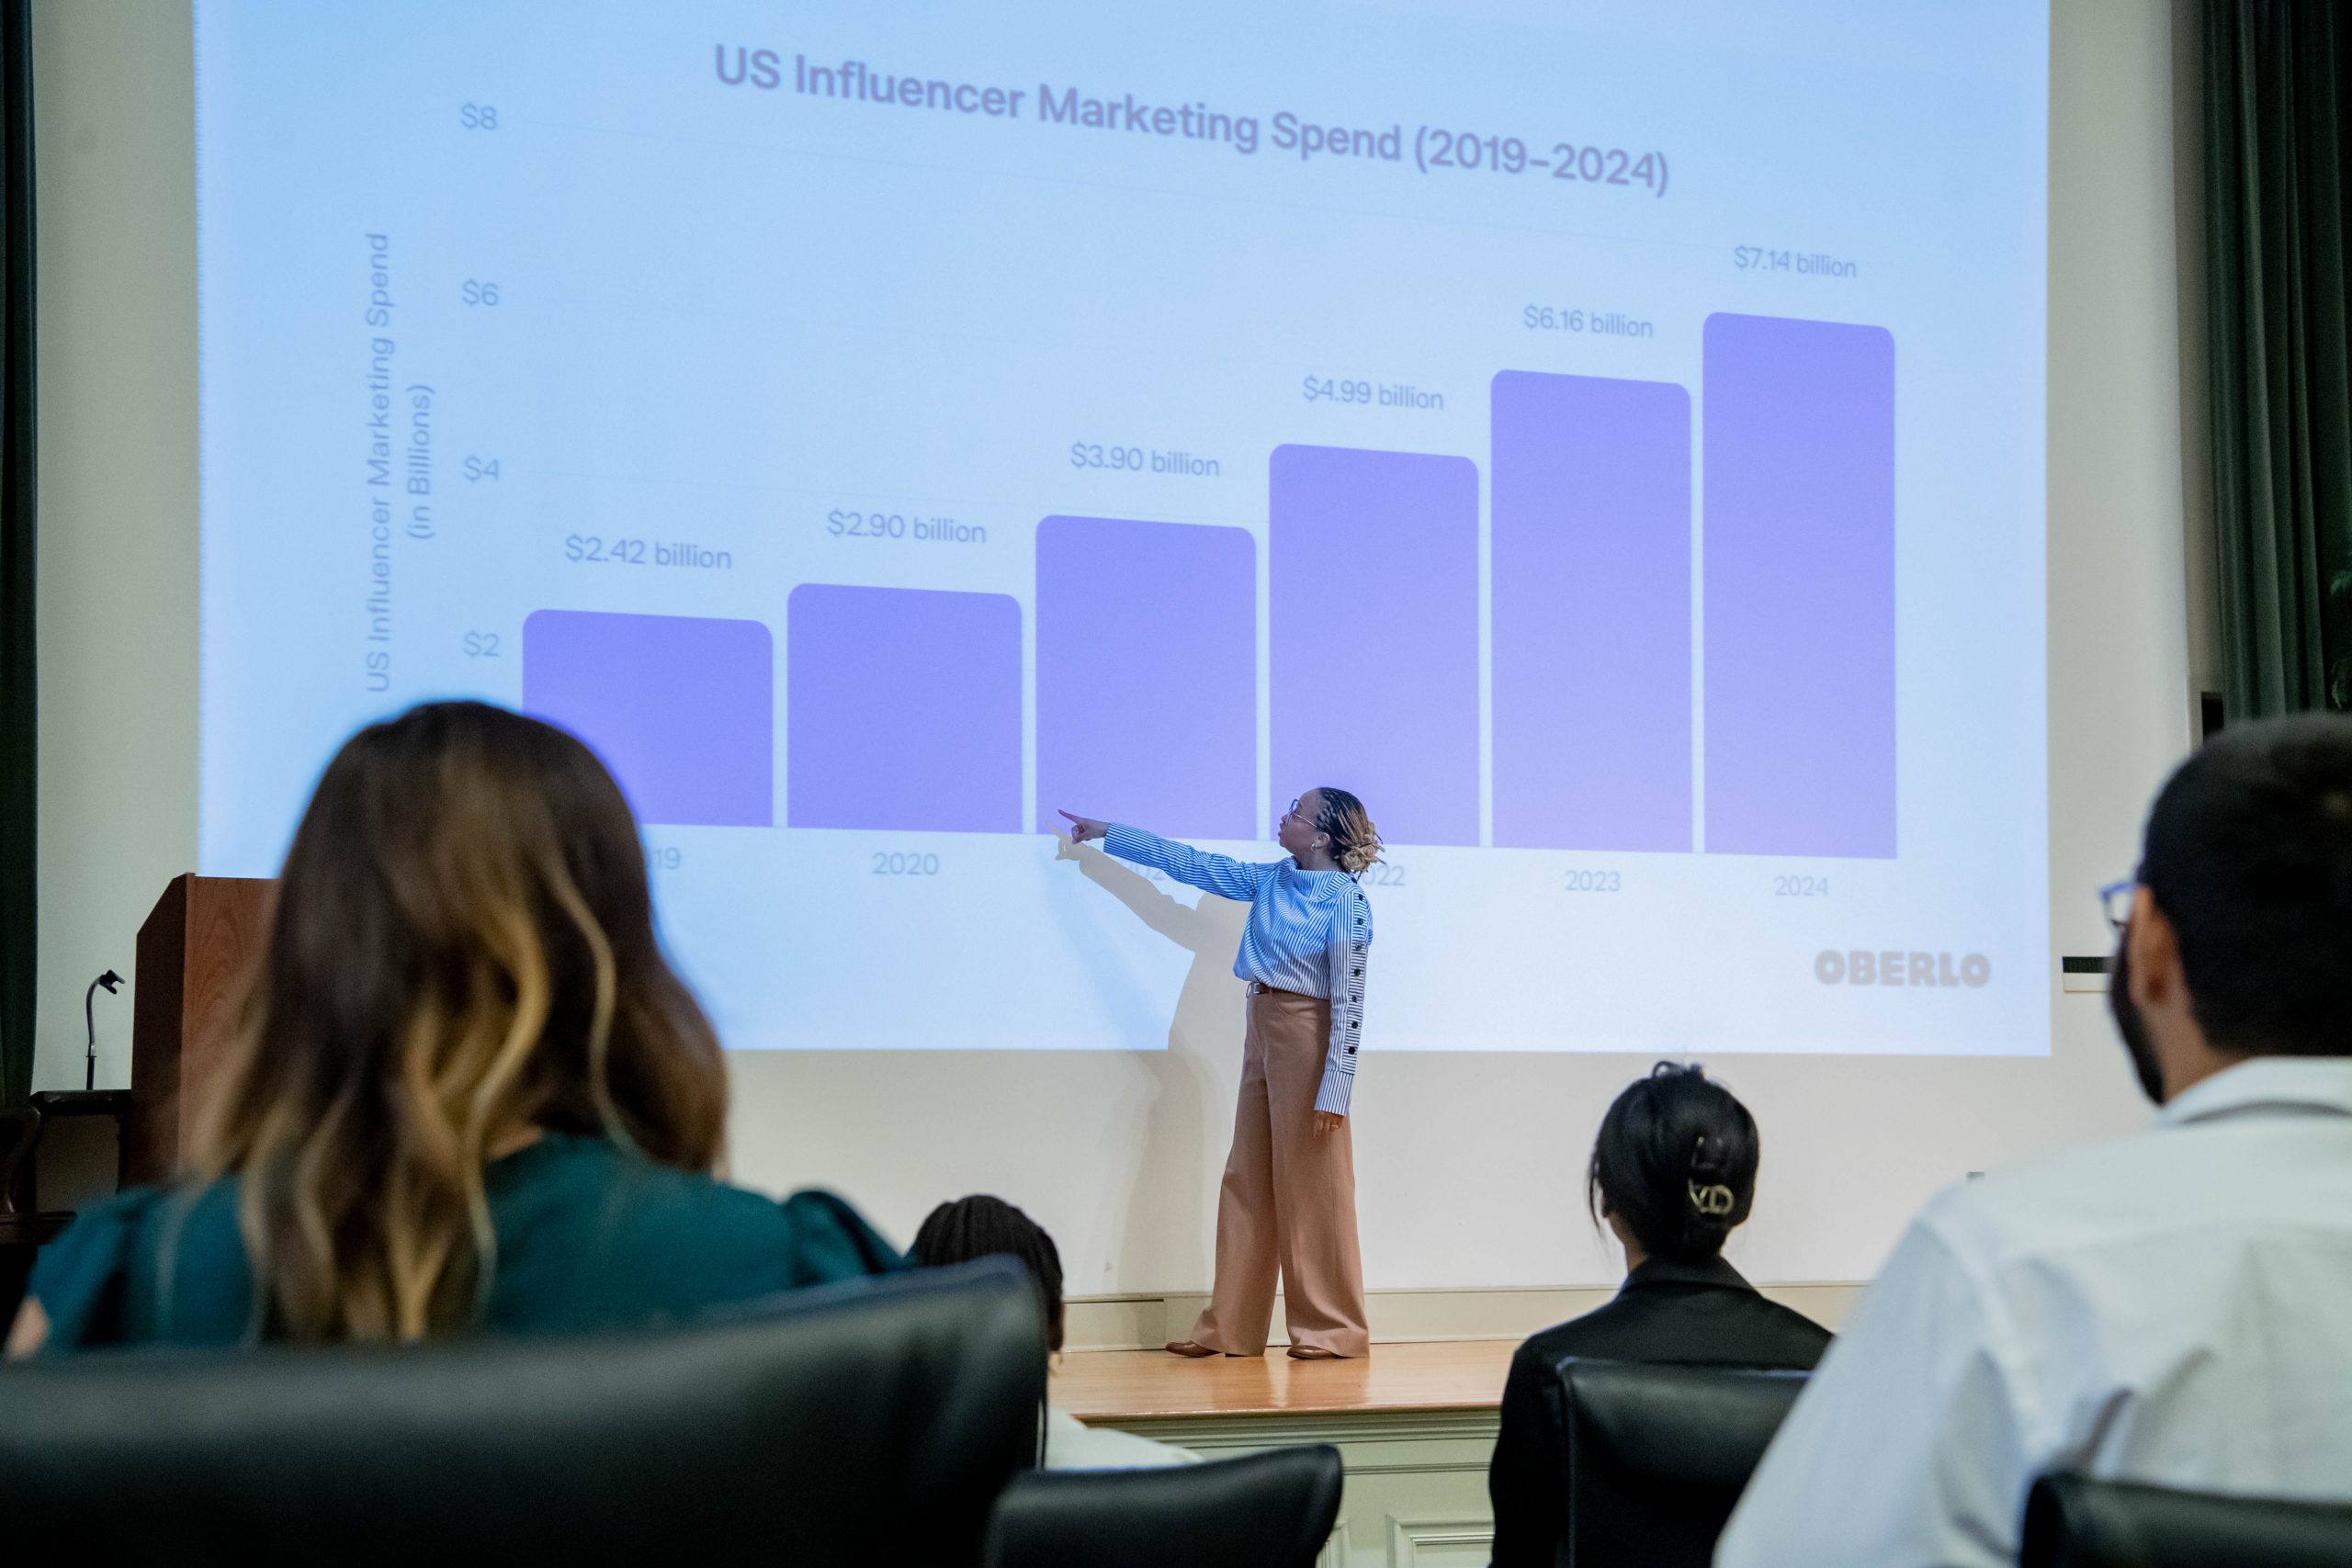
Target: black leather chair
(2072,1521)
(874,1422)
(1657,1455)
(1269,1510)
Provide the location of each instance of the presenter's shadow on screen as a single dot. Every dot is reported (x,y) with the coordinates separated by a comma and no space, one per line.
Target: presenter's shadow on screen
(1164,1213)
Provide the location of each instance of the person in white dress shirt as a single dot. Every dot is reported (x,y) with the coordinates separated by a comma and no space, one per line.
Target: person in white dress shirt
(983,1226)
(2168,1308)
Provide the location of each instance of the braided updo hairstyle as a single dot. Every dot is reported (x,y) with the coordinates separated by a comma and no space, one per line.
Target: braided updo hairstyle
(1675,1161)
(986,1227)
(1355,842)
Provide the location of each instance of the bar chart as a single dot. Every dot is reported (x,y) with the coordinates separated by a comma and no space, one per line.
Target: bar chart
(903,709)
(1591,613)
(905,705)
(1799,576)
(1662,560)
(682,708)
(1375,630)
(1148,675)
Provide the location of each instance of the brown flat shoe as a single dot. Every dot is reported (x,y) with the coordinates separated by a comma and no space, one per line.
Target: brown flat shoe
(1192,1347)
(1312,1353)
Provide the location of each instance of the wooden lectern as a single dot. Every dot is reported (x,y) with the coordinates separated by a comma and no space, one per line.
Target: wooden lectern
(196,951)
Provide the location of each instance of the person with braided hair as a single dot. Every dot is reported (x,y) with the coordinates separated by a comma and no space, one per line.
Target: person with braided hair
(1672,1175)
(986,1227)
(1288,1202)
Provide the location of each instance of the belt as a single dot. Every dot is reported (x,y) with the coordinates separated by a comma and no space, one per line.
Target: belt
(1259,988)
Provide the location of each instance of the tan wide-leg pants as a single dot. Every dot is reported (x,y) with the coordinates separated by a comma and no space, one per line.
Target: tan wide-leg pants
(1289,1197)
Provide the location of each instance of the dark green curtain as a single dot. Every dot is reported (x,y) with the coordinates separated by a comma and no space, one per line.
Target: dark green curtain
(16,730)
(2277,78)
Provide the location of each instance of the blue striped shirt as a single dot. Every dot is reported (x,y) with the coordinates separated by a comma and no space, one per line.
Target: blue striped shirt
(1309,932)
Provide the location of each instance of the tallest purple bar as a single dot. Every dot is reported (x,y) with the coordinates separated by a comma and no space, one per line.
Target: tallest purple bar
(1372,582)
(1799,587)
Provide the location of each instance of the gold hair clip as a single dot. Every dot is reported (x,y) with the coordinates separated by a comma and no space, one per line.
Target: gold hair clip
(1713,1201)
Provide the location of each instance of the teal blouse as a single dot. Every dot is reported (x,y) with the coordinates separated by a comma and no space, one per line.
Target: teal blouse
(589,1237)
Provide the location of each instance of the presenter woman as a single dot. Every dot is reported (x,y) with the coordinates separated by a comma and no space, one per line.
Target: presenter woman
(1289,1197)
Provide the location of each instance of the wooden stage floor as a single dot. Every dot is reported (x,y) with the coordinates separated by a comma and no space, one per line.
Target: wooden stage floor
(1115,1385)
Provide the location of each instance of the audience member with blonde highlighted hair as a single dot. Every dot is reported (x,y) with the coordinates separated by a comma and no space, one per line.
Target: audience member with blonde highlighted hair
(470,1093)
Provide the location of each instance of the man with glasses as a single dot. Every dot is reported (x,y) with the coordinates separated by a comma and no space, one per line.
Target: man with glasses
(2168,1307)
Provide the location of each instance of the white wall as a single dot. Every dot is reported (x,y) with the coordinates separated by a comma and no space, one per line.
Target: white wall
(113,114)
(2196,412)
(1468,1166)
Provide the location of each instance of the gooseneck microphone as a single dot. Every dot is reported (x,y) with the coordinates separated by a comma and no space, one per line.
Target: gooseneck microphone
(90,1022)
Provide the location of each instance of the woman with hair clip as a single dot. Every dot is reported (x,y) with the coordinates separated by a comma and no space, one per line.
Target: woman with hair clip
(469,1093)
(1673,1173)
(1288,1203)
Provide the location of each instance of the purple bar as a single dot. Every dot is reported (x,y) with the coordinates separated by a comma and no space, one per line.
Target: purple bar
(1147,675)
(682,710)
(1591,603)
(902,710)
(1374,578)
(1800,587)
